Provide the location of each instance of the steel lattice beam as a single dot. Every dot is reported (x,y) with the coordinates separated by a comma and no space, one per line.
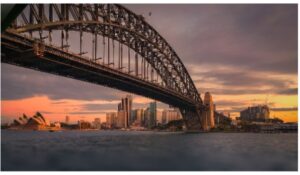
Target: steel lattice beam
(114,23)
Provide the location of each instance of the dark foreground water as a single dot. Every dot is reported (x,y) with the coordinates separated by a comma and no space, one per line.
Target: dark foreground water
(116,150)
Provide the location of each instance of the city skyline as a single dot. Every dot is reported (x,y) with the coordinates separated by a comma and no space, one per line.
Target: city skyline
(239,64)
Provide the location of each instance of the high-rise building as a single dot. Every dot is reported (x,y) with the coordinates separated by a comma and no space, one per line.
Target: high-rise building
(132,116)
(164,119)
(159,117)
(120,107)
(121,119)
(137,116)
(67,119)
(111,119)
(126,107)
(147,118)
(208,115)
(152,112)
(140,116)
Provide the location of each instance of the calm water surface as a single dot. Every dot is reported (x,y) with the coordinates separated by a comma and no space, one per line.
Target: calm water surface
(117,150)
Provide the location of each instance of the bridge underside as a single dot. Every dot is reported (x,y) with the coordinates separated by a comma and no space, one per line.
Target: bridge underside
(21,54)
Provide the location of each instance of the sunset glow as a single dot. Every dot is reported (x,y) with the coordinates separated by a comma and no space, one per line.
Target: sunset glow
(214,46)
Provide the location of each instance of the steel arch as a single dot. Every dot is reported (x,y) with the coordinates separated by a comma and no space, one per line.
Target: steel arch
(118,23)
(121,24)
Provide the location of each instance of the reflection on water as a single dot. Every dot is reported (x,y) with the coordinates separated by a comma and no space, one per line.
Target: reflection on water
(116,150)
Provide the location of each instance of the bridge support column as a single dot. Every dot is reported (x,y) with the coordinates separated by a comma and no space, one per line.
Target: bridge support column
(192,120)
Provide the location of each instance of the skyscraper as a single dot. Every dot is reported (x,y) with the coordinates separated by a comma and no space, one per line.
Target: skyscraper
(121,119)
(137,117)
(208,115)
(126,107)
(133,116)
(140,116)
(111,119)
(147,118)
(152,112)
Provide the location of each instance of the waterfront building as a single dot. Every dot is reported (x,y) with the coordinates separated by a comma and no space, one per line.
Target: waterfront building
(158,117)
(111,119)
(121,119)
(137,117)
(147,118)
(120,107)
(67,119)
(140,116)
(208,115)
(170,115)
(132,116)
(222,120)
(255,113)
(84,124)
(37,122)
(126,107)
(56,125)
(152,112)
(97,123)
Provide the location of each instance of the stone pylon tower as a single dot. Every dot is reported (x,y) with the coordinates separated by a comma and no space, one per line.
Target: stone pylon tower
(208,115)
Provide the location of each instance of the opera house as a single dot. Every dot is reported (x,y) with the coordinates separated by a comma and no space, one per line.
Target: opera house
(37,122)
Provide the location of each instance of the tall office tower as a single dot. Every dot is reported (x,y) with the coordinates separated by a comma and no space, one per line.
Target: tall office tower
(140,116)
(133,116)
(121,119)
(153,112)
(164,119)
(126,107)
(146,121)
(158,117)
(120,107)
(111,119)
(208,114)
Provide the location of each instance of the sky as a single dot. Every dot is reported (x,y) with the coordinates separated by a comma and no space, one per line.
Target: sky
(244,55)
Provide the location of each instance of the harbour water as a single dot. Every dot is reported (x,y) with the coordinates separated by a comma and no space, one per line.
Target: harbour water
(147,150)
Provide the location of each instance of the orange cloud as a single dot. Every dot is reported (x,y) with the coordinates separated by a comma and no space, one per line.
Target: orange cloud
(52,110)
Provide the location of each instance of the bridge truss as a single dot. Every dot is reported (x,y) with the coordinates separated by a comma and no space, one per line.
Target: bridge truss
(105,44)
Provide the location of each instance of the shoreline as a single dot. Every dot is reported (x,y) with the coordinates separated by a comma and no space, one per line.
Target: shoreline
(162,131)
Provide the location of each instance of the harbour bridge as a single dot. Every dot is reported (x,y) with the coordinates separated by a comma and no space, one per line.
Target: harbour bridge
(105,44)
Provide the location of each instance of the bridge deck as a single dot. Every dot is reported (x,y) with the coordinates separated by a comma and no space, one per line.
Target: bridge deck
(19,52)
